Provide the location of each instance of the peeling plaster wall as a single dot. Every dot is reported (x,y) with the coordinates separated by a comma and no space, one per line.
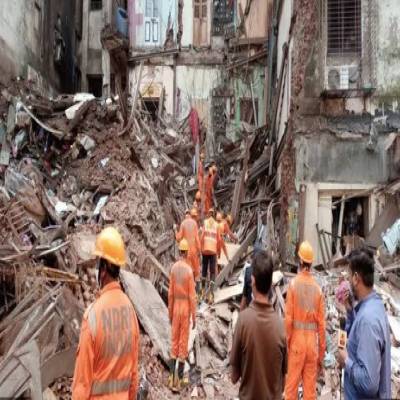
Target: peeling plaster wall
(388,67)
(327,158)
(195,84)
(27,42)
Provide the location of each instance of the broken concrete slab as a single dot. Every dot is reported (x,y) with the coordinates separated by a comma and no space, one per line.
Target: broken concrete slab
(215,338)
(227,293)
(223,312)
(231,249)
(151,311)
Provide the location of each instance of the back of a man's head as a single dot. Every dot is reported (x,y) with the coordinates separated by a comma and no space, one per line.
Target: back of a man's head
(361,261)
(263,267)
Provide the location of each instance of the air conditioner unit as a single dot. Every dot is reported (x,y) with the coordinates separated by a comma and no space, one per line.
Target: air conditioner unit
(342,77)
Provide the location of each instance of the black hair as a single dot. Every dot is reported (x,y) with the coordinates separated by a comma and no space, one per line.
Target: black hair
(362,262)
(262,269)
(305,265)
(112,270)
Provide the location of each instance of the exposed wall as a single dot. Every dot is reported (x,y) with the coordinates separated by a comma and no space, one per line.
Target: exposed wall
(388,66)
(193,83)
(327,158)
(27,35)
(242,90)
(258,19)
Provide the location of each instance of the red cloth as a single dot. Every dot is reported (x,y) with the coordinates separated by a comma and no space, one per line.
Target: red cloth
(194,124)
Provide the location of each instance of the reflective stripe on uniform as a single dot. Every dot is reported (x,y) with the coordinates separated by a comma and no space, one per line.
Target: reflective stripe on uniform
(111,386)
(181,297)
(305,326)
(92,321)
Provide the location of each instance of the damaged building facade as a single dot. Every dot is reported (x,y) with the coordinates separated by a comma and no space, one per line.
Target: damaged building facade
(202,55)
(334,115)
(40,41)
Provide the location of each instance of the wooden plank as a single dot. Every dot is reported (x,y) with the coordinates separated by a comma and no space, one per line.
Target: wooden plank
(227,270)
(151,311)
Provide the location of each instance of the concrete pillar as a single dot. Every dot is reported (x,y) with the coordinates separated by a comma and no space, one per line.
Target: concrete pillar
(105,56)
(85,43)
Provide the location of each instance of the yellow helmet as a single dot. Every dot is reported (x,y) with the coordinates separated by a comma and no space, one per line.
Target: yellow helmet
(111,247)
(306,253)
(183,245)
(193,212)
(219,217)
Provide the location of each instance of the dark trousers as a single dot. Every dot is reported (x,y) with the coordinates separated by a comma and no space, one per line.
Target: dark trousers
(209,261)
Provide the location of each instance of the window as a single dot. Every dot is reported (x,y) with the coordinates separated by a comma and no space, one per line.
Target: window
(96,5)
(152,21)
(344,27)
(200,23)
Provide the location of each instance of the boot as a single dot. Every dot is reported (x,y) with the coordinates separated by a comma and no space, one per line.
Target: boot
(211,293)
(172,365)
(184,381)
(203,289)
(177,387)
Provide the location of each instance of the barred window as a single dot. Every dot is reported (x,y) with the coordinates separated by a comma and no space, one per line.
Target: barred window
(344,27)
(96,4)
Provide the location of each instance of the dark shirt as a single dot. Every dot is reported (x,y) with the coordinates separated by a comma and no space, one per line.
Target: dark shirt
(259,354)
(367,370)
(247,290)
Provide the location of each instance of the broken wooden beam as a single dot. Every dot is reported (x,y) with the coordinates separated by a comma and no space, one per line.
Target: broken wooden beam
(227,270)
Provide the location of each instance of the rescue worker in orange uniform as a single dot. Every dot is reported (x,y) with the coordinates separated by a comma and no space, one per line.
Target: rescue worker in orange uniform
(181,306)
(200,170)
(197,202)
(209,187)
(189,230)
(225,224)
(305,329)
(211,244)
(107,358)
(220,221)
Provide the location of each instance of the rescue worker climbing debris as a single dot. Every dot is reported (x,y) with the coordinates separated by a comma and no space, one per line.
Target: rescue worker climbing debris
(220,223)
(209,187)
(305,329)
(189,231)
(107,358)
(225,225)
(181,307)
(211,243)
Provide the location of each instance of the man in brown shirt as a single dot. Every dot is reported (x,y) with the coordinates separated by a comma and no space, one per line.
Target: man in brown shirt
(259,356)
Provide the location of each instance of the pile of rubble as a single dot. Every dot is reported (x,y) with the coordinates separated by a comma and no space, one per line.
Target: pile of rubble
(66,173)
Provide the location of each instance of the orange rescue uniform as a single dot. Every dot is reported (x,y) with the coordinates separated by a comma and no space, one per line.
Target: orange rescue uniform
(107,358)
(181,305)
(305,331)
(189,230)
(209,191)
